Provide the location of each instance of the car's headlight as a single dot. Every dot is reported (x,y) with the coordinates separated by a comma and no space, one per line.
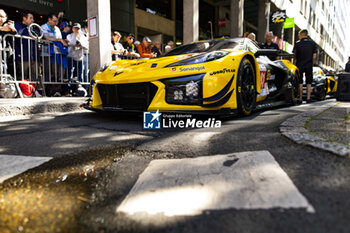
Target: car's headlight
(185,90)
(200,58)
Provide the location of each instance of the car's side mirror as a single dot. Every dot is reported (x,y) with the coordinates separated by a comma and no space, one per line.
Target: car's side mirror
(267,52)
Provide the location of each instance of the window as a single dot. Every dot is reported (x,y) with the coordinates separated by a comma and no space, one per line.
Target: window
(323,5)
(310,17)
(305,8)
(162,8)
(313,19)
(301,6)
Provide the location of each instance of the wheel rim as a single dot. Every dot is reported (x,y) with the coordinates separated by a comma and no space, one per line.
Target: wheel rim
(248,89)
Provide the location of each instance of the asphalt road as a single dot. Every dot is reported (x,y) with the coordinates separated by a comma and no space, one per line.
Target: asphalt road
(97,159)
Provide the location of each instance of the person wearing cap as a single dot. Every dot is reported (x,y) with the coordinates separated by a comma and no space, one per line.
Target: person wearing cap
(77,42)
(130,47)
(144,49)
(117,49)
(66,30)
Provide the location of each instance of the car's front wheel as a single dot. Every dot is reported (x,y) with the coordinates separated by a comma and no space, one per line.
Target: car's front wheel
(246,88)
(293,91)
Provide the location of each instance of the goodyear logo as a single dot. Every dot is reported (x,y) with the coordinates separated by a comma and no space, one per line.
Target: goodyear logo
(223,71)
(192,68)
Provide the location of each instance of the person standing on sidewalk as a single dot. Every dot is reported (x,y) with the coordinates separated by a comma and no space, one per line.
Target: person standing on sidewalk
(347,66)
(77,43)
(25,50)
(305,51)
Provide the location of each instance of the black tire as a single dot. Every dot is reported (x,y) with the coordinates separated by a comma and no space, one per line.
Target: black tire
(293,93)
(246,88)
(322,93)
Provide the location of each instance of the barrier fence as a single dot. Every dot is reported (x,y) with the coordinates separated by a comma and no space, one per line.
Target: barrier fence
(41,62)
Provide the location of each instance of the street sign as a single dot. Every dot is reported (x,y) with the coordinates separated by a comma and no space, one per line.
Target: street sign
(289,23)
(278,16)
(222,22)
(92,27)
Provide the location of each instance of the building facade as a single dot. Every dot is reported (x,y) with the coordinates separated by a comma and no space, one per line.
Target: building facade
(187,20)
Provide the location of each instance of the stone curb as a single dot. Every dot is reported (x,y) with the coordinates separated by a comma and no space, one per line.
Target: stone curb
(30,108)
(294,129)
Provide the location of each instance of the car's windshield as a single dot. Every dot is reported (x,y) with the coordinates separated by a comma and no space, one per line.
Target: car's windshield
(205,46)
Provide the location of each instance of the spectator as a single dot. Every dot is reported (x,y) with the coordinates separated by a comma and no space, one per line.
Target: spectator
(157,50)
(347,66)
(25,50)
(245,34)
(117,49)
(66,30)
(130,47)
(269,45)
(54,55)
(136,45)
(251,36)
(7,28)
(85,30)
(167,48)
(144,49)
(61,20)
(305,52)
(171,44)
(77,43)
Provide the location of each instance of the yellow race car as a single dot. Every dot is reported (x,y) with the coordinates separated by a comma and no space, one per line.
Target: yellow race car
(221,76)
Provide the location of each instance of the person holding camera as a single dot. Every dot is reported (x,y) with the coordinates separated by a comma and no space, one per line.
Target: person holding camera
(77,42)
(6,26)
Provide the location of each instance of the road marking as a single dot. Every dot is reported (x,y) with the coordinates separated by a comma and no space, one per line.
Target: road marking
(12,165)
(247,180)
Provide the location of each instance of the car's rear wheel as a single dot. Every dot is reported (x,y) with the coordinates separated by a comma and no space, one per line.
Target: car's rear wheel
(246,88)
(321,93)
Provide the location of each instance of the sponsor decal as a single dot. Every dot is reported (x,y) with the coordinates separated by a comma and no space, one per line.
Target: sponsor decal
(262,75)
(199,68)
(173,69)
(154,65)
(157,120)
(223,71)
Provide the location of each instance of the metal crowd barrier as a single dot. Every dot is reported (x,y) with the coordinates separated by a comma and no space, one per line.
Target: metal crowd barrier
(41,62)
(38,61)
